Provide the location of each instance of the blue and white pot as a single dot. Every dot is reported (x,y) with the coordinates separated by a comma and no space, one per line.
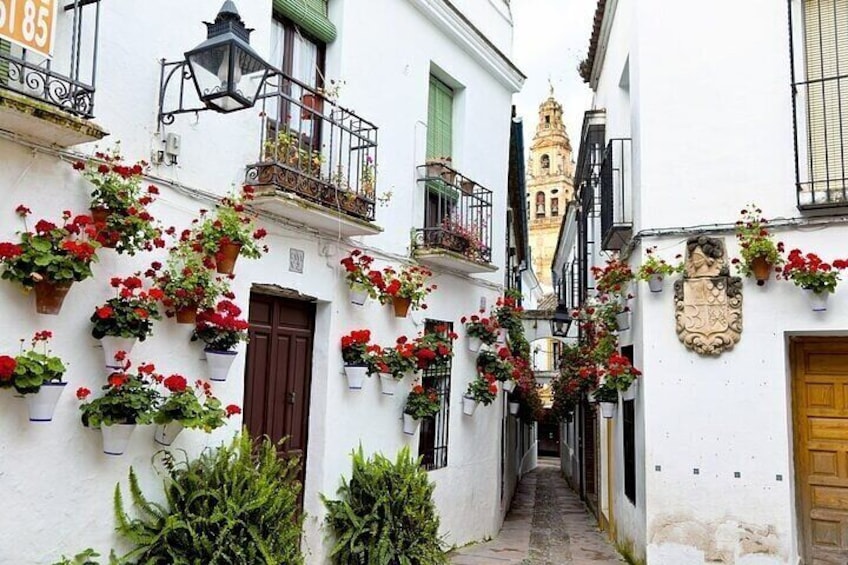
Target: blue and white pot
(818,300)
(111,345)
(355,376)
(42,404)
(410,425)
(219,363)
(116,438)
(165,434)
(388,384)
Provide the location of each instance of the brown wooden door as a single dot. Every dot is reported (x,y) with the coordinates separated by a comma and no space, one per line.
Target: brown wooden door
(278,373)
(820,406)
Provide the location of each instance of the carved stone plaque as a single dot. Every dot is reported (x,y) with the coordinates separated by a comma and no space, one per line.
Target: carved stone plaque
(707,300)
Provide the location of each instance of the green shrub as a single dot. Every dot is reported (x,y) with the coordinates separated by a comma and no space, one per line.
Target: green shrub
(386,514)
(235,505)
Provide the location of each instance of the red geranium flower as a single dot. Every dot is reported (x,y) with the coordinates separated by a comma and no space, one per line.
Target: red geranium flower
(105,312)
(232,410)
(82,393)
(175,383)
(7,367)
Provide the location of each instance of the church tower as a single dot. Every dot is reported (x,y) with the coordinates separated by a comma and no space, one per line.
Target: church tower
(550,186)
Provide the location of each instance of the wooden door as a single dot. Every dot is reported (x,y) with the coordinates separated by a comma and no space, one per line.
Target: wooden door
(820,410)
(278,372)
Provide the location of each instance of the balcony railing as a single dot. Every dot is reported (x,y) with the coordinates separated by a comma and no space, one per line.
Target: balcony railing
(457,214)
(315,149)
(67,80)
(616,195)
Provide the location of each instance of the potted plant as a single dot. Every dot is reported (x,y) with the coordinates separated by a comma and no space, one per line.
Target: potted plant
(357,357)
(434,348)
(815,276)
(622,375)
(231,232)
(508,313)
(480,330)
(482,390)
(613,277)
(50,258)
(36,375)
(187,282)
(125,318)
(311,103)
(760,254)
(606,396)
(119,204)
(128,399)
(221,329)
(498,364)
(187,407)
(654,269)
(622,318)
(420,404)
(362,281)
(393,364)
(406,289)
(441,168)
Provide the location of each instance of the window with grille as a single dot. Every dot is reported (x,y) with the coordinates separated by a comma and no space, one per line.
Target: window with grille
(433,439)
(819,49)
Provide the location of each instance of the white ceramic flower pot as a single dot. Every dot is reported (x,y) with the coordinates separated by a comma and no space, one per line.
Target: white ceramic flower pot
(608,409)
(503,336)
(388,384)
(818,300)
(410,425)
(655,283)
(630,393)
(358,297)
(42,404)
(116,437)
(622,320)
(474,344)
(508,385)
(469,405)
(111,345)
(513,408)
(355,376)
(219,363)
(165,434)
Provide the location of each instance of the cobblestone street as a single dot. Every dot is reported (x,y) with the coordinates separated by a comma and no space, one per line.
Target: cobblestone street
(547,525)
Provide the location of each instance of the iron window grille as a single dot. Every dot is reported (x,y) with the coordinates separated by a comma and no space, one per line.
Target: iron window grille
(433,442)
(67,80)
(819,65)
(616,194)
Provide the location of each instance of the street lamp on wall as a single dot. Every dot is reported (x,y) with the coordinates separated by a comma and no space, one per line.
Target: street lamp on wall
(561,322)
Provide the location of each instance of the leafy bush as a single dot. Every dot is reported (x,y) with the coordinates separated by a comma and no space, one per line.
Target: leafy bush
(236,505)
(386,514)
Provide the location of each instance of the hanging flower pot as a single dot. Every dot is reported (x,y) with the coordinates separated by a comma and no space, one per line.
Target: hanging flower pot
(100,216)
(474,344)
(187,314)
(469,405)
(225,259)
(49,296)
(401,306)
(165,434)
(817,300)
(508,385)
(311,104)
(219,363)
(116,437)
(513,408)
(388,384)
(630,392)
(355,376)
(42,404)
(608,409)
(655,283)
(358,296)
(761,269)
(503,336)
(410,425)
(622,320)
(112,345)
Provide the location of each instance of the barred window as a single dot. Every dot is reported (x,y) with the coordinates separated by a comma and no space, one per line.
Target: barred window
(820,96)
(433,442)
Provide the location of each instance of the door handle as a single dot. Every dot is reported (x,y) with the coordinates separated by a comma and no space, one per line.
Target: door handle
(292,396)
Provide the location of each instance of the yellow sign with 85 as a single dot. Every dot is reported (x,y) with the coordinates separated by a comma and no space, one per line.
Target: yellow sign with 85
(29,23)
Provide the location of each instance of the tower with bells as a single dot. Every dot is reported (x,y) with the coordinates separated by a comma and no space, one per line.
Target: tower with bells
(550,186)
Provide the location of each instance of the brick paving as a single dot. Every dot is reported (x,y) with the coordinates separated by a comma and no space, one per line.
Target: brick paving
(547,525)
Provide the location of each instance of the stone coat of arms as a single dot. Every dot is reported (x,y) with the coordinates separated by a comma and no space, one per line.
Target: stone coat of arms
(707,300)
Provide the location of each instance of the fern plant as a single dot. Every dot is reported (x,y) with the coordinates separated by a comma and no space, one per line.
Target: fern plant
(236,505)
(385,515)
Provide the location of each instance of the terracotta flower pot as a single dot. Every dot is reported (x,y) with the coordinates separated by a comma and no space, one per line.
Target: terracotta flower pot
(49,296)
(761,269)
(401,306)
(310,102)
(187,314)
(100,215)
(225,259)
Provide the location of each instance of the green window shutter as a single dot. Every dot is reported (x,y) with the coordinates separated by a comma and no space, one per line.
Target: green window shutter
(309,15)
(439,120)
(5,49)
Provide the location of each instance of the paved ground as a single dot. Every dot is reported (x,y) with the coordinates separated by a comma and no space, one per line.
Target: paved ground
(547,525)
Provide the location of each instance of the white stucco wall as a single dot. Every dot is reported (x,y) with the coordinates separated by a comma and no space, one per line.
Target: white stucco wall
(55,473)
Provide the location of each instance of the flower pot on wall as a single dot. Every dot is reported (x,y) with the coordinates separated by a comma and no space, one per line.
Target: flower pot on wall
(474,344)
(166,433)
(187,314)
(310,102)
(508,385)
(50,295)
(503,336)
(111,345)
(388,384)
(401,306)
(219,363)
(817,300)
(225,259)
(469,405)
(622,320)
(630,393)
(100,216)
(116,438)
(42,404)
(513,408)
(410,425)
(761,269)
(358,296)
(608,409)
(656,283)
(355,376)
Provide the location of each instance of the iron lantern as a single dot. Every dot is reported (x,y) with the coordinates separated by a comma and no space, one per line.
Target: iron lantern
(561,322)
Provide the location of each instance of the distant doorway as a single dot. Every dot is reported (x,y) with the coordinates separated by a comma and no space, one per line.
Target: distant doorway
(548,445)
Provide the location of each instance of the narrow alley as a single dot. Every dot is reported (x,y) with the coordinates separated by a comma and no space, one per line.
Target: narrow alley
(547,525)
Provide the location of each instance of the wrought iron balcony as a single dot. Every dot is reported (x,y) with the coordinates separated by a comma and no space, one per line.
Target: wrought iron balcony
(616,195)
(51,98)
(318,160)
(457,231)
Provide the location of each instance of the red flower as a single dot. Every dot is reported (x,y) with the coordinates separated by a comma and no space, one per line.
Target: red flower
(260,233)
(7,367)
(232,410)
(152,190)
(146,369)
(418,389)
(105,312)
(141,313)
(22,210)
(10,250)
(103,169)
(117,379)
(43,335)
(43,226)
(82,393)
(79,166)
(120,355)
(176,383)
